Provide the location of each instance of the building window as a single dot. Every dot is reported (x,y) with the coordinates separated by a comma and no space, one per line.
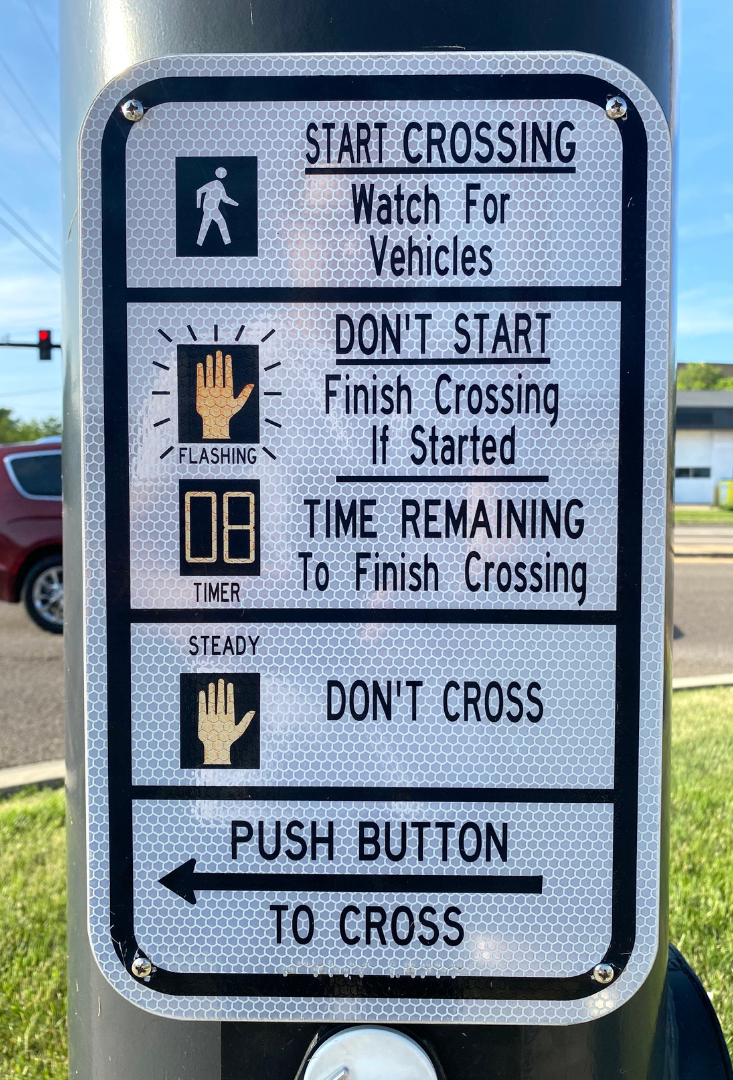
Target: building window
(696,418)
(686,473)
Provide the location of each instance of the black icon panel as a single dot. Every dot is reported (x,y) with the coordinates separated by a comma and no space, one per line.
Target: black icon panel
(219,527)
(220,719)
(218,393)
(216,206)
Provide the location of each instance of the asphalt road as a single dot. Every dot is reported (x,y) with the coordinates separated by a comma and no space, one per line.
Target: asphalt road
(703,616)
(31,690)
(31,671)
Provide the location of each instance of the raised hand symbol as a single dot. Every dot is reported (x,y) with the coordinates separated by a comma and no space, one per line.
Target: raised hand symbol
(215,400)
(218,727)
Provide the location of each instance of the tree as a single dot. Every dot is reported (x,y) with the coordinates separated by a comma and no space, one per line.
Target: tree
(702,377)
(13,431)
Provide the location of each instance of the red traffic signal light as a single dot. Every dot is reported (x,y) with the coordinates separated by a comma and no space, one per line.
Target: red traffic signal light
(44,344)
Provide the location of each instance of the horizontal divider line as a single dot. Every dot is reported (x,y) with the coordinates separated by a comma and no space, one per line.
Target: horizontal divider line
(342,294)
(445,170)
(383,615)
(228,792)
(444,361)
(497,479)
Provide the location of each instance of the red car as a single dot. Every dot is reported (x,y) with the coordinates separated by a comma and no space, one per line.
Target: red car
(30,530)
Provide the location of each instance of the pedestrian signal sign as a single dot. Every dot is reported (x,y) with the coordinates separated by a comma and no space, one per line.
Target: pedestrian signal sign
(375,377)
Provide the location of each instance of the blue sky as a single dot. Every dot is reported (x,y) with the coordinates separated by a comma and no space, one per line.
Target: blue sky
(30,292)
(705,184)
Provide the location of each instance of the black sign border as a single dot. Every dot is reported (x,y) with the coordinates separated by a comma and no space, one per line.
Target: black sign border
(627,617)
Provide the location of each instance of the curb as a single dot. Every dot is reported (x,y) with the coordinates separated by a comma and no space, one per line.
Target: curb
(694,682)
(40,774)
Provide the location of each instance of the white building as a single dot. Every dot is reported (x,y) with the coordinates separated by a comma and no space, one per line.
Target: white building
(703,445)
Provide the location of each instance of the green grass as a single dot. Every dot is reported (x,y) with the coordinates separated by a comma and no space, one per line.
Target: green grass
(32,936)
(701,864)
(32,897)
(711,515)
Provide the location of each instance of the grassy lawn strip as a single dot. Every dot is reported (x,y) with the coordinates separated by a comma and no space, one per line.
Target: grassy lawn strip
(32,946)
(713,515)
(701,867)
(33,936)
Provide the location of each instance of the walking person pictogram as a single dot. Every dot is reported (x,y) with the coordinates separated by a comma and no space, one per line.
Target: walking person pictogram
(216,207)
(210,196)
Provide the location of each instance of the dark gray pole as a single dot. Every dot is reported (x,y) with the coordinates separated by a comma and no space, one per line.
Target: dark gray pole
(109,1038)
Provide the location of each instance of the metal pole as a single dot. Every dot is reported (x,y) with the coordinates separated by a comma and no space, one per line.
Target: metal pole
(108,1037)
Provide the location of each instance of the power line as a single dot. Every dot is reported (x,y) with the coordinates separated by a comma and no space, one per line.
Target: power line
(28,100)
(42,28)
(27,243)
(27,227)
(23,393)
(54,157)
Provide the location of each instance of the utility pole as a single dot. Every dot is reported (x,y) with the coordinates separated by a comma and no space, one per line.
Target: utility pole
(311,230)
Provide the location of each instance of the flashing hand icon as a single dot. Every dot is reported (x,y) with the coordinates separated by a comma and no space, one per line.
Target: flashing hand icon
(215,400)
(218,727)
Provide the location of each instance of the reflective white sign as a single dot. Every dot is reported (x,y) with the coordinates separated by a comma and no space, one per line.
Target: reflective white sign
(374,370)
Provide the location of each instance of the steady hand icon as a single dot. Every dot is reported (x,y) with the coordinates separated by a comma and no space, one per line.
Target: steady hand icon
(215,400)
(218,727)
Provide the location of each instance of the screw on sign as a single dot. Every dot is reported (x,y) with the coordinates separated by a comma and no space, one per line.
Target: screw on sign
(141,967)
(133,110)
(385,407)
(616,107)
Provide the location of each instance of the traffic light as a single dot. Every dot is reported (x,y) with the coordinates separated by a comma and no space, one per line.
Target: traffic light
(44,344)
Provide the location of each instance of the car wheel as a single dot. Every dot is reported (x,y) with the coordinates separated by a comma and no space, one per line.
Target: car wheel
(43,594)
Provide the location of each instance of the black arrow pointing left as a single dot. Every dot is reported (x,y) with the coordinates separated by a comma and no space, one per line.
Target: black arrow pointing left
(186,883)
